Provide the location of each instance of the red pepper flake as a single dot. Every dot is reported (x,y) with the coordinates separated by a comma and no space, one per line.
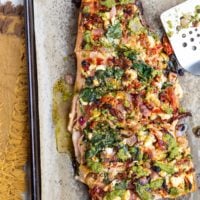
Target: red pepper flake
(144,41)
(160,144)
(97,193)
(110,61)
(167,46)
(99,61)
(93,124)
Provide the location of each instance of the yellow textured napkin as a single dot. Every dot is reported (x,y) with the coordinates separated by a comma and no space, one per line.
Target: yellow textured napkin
(13,103)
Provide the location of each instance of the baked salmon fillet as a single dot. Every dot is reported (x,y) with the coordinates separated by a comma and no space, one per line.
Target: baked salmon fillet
(126,120)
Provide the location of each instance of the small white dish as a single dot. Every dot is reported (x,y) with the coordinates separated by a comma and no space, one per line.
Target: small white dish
(185,40)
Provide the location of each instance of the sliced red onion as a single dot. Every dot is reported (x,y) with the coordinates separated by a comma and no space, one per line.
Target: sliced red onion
(113,12)
(143,180)
(81,121)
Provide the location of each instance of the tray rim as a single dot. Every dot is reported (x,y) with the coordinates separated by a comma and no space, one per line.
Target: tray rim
(35,182)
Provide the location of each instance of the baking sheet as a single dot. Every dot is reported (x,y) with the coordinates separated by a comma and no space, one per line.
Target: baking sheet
(55,29)
(27,193)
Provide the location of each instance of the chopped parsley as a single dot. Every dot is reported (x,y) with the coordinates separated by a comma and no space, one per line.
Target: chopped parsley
(108,3)
(130,54)
(96,167)
(114,32)
(140,171)
(88,95)
(143,192)
(166,84)
(108,80)
(114,194)
(87,37)
(173,191)
(102,136)
(156,184)
(136,26)
(123,154)
(173,148)
(144,70)
(165,167)
(122,185)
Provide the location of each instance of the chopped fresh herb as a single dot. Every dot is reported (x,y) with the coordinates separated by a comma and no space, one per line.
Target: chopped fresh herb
(143,192)
(88,95)
(108,80)
(108,3)
(114,31)
(86,9)
(106,179)
(145,156)
(87,37)
(167,108)
(103,136)
(127,52)
(123,154)
(173,148)
(118,73)
(89,81)
(114,72)
(165,167)
(92,152)
(87,46)
(173,191)
(100,75)
(174,153)
(114,194)
(136,26)
(156,73)
(166,84)
(105,42)
(144,70)
(156,184)
(122,185)
(136,153)
(96,167)
(130,54)
(170,140)
(92,94)
(140,171)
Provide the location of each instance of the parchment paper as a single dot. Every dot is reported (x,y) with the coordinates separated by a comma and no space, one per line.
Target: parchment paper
(55,24)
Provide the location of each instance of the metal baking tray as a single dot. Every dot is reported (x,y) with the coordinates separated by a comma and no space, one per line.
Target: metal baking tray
(33,166)
(34,192)
(51,28)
